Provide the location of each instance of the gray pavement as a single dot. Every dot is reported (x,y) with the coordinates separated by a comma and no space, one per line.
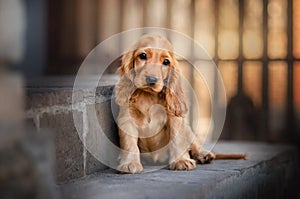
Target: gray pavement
(270,171)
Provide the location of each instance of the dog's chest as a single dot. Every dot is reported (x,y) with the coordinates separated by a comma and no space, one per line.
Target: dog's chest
(147,110)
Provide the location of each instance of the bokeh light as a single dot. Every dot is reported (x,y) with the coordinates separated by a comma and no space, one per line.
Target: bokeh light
(252,29)
(229,73)
(277,29)
(252,81)
(296,28)
(228,37)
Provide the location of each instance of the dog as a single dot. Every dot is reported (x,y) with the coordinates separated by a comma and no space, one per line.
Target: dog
(152,110)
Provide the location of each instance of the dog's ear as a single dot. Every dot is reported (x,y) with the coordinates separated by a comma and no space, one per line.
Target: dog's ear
(127,63)
(176,101)
(125,87)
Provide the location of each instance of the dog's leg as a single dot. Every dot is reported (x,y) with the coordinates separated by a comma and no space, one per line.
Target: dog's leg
(179,146)
(183,163)
(197,153)
(130,155)
(202,156)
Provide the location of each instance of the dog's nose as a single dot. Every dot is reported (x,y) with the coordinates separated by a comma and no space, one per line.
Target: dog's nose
(151,80)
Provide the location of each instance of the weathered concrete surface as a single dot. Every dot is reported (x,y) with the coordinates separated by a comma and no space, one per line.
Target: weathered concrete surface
(269,172)
(49,105)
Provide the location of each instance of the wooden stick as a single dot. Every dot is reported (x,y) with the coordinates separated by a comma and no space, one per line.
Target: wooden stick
(220,156)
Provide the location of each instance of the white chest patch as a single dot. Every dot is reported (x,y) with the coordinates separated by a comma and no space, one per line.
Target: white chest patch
(156,120)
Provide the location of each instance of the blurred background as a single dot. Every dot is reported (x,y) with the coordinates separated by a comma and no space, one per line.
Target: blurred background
(255,43)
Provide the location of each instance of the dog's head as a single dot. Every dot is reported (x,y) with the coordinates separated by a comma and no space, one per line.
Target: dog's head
(149,62)
(151,66)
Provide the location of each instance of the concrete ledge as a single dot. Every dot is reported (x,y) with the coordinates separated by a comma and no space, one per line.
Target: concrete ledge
(49,106)
(269,172)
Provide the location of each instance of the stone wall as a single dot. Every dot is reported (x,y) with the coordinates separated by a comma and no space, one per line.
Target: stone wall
(49,106)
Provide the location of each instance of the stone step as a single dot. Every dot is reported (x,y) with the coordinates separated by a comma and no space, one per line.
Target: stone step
(270,171)
(49,106)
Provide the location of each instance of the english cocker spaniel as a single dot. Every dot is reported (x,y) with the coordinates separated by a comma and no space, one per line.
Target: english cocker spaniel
(152,109)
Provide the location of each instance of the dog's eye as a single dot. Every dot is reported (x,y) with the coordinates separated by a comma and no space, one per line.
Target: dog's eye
(166,62)
(143,56)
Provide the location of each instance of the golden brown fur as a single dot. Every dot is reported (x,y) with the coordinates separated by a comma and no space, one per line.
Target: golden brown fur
(152,109)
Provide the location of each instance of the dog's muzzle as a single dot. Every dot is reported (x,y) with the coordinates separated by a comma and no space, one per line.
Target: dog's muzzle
(151,80)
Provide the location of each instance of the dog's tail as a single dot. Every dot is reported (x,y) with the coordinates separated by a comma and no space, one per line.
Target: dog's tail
(220,156)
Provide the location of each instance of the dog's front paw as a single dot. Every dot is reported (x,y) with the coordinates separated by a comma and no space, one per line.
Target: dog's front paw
(131,168)
(183,164)
(204,157)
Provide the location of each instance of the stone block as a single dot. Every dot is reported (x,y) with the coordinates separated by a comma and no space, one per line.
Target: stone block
(93,165)
(68,146)
(48,105)
(94,138)
(47,97)
(270,171)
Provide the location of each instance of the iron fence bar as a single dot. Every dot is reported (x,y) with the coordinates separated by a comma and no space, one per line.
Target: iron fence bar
(290,96)
(265,84)
(216,57)
(241,57)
